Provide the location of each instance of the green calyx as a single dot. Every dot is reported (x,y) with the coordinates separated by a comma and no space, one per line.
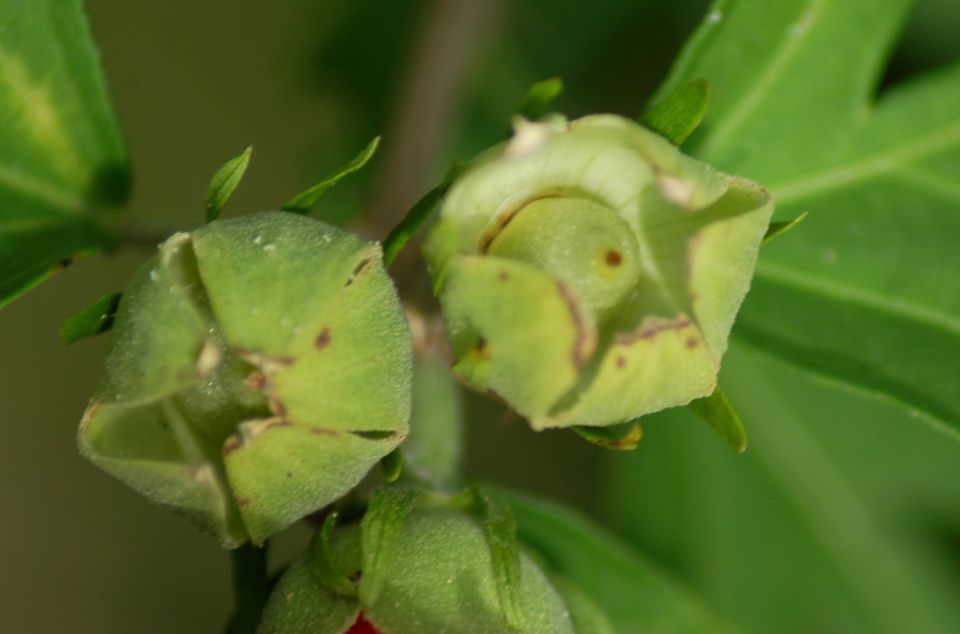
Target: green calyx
(589,272)
(422,563)
(258,368)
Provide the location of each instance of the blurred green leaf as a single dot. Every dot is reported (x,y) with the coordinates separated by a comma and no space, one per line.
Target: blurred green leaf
(62,161)
(679,114)
(535,103)
(304,201)
(92,320)
(224,181)
(717,410)
(634,594)
(781,538)
(866,293)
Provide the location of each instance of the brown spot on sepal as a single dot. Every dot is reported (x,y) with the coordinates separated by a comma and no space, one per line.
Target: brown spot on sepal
(692,342)
(257,381)
(621,361)
(482,348)
(323,339)
(503,276)
(613,258)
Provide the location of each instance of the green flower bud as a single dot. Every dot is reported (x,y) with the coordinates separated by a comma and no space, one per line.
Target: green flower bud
(258,368)
(589,272)
(439,576)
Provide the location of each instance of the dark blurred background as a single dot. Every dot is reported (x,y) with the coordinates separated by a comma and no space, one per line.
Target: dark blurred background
(834,487)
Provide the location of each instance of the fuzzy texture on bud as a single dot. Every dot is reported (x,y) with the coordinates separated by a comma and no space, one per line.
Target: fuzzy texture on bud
(440,578)
(258,368)
(589,272)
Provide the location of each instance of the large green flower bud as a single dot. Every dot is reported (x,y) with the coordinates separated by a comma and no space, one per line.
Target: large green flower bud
(431,569)
(589,272)
(258,368)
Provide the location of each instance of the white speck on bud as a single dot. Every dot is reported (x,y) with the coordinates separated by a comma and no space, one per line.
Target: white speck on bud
(528,137)
(269,248)
(209,358)
(714,17)
(676,190)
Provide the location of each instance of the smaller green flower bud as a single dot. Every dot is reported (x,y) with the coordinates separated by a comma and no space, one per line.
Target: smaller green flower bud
(431,567)
(258,368)
(589,273)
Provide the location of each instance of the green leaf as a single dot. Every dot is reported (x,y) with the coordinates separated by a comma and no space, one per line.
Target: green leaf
(623,437)
(717,410)
(777,229)
(92,320)
(304,201)
(825,521)
(417,216)
(381,532)
(224,181)
(632,592)
(679,114)
(535,103)
(63,166)
(866,293)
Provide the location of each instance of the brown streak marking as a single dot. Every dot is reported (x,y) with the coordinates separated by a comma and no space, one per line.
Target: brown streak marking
(320,431)
(503,276)
(357,270)
(323,339)
(243,502)
(580,343)
(692,342)
(276,423)
(231,444)
(621,361)
(278,408)
(504,219)
(651,331)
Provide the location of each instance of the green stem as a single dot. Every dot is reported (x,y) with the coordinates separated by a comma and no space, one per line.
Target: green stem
(250,588)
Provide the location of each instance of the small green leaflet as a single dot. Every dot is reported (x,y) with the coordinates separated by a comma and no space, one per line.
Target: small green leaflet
(717,410)
(865,293)
(623,437)
(92,320)
(303,202)
(679,114)
(777,229)
(380,533)
(224,181)
(417,216)
(391,466)
(323,565)
(63,166)
(535,103)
